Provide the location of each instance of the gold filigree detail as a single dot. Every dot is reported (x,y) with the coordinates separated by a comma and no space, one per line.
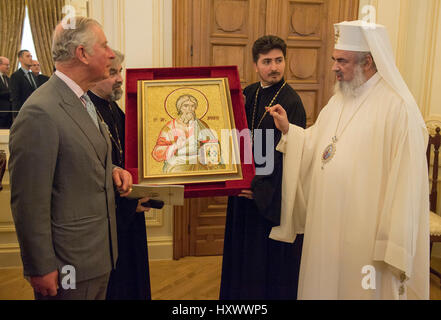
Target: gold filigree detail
(337,34)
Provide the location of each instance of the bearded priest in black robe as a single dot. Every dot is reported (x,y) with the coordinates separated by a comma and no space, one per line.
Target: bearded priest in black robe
(130,279)
(254,266)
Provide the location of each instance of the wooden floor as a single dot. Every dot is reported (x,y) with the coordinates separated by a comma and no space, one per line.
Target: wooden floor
(191,278)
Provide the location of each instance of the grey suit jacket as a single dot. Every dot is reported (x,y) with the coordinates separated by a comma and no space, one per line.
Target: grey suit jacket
(62,194)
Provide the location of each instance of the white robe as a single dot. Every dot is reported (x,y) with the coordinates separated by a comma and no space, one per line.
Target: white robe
(369,206)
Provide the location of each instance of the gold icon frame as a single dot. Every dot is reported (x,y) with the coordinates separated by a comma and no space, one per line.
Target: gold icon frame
(156,99)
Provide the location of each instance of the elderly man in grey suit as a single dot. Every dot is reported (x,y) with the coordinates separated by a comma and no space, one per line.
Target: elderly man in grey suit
(62,177)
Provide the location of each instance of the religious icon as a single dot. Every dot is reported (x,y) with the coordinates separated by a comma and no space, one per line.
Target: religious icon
(186,143)
(186,132)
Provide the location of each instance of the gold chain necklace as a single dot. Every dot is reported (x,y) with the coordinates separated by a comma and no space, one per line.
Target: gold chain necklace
(266,111)
(116,141)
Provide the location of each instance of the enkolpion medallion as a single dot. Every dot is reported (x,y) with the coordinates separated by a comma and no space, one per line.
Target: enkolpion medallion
(329,152)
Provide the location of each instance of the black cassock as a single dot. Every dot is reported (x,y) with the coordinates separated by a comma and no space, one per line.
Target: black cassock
(130,280)
(255,266)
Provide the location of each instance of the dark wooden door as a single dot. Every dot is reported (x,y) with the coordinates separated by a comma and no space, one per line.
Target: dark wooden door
(222,32)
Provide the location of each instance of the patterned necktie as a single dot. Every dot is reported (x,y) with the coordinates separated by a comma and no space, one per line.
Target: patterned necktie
(31,80)
(90,109)
(4,80)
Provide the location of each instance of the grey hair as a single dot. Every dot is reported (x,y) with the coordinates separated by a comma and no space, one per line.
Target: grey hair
(362,56)
(119,59)
(182,99)
(65,41)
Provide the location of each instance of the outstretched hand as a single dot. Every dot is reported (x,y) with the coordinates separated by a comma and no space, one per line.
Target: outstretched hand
(280,118)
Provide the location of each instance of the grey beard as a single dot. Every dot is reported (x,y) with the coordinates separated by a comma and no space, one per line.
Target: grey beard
(349,88)
(116,95)
(187,117)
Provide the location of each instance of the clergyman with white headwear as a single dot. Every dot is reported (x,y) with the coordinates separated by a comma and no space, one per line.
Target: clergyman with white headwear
(355,184)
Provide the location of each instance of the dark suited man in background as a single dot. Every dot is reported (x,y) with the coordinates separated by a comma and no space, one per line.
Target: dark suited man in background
(36,70)
(23,82)
(5,94)
(130,279)
(61,173)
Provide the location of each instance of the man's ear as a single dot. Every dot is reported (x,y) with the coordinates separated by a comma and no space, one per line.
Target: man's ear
(81,54)
(369,63)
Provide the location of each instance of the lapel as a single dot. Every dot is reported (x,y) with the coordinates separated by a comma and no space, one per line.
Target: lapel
(6,79)
(26,79)
(105,134)
(76,110)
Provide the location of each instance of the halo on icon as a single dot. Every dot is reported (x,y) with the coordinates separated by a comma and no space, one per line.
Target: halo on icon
(172,98)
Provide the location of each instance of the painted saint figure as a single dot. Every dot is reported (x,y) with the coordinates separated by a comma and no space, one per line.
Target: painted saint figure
(187,144)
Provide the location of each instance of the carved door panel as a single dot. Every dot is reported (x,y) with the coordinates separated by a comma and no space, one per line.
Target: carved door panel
(307,28)
(226,34)
(222,32)
(199,227)
(207,226)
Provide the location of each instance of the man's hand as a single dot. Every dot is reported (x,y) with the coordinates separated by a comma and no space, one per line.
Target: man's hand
(246,194)
(123,181)
(140,207)
(47,284)
(280,118)
(181,142)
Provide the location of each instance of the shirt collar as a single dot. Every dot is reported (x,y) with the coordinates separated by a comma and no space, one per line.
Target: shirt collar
(70,83)
(265,87)
(273,85)
(98,96)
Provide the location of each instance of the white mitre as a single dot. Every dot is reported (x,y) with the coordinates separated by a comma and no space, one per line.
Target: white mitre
(349,36)
(360,36)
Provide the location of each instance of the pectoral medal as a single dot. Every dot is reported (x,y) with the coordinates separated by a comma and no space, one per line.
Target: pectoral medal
(329,152)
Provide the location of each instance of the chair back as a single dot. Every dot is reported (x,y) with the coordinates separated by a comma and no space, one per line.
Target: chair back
(434,141)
